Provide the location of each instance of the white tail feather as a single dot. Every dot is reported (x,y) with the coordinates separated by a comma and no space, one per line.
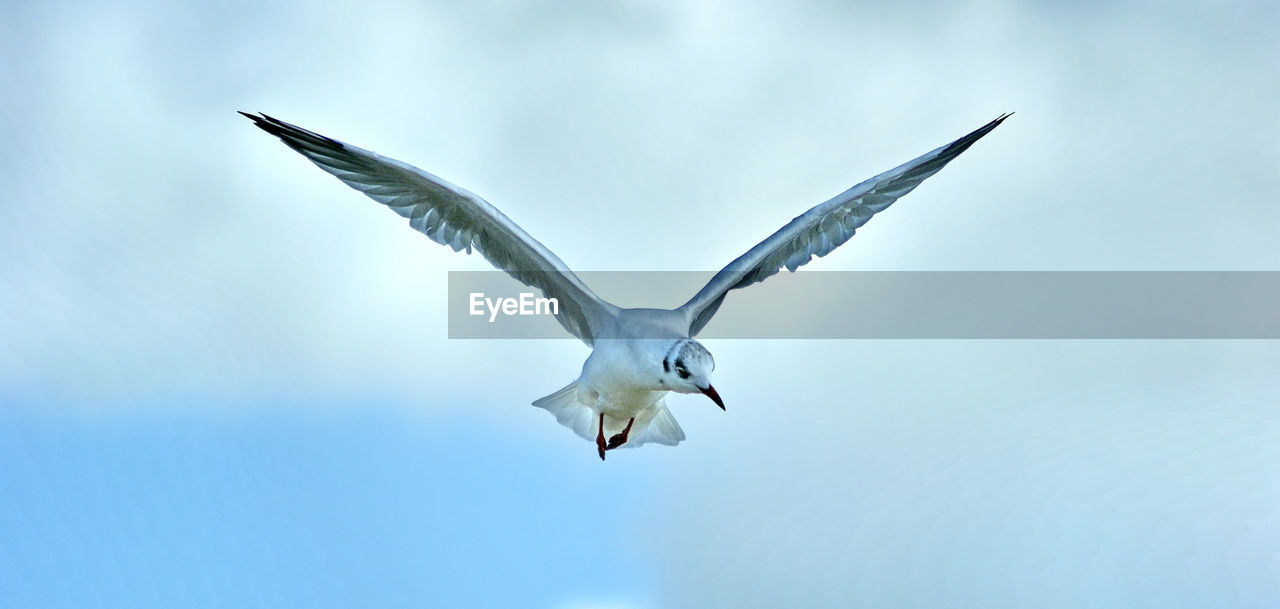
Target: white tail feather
(654,424)
(571,413)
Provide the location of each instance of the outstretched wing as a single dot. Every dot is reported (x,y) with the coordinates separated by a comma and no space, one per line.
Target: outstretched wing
(823,228)
(454,217)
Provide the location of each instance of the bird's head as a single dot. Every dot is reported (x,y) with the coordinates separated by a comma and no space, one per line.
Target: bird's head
(686,368)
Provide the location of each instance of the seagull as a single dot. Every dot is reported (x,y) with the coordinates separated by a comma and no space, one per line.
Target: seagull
(640,355)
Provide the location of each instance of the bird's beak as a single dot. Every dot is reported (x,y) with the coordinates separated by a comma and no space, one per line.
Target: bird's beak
(710,392)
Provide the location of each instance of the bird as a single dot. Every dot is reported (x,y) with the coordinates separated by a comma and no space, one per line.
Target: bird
(638,355)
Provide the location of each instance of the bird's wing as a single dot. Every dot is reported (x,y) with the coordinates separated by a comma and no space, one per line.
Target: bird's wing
(822,229)
(454,217)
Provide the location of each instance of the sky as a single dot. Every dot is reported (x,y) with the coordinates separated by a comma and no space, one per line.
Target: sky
(225,378)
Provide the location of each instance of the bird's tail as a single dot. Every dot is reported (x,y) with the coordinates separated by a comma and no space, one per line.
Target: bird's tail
(653,425)
(570,412)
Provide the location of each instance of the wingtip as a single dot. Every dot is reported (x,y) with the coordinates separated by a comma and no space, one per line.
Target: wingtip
(292,135)
(262,118)
(987,128)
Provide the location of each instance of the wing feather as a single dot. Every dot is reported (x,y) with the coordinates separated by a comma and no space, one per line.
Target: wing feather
(823,228)
(453,217)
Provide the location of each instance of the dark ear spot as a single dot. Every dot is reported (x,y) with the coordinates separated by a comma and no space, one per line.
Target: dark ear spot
(681,369)
(666,365)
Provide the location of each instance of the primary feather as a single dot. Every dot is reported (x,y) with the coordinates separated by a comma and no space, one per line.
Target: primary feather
(452,216)
(823,228)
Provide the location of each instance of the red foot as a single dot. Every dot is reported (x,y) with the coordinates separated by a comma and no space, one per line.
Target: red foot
(620,439)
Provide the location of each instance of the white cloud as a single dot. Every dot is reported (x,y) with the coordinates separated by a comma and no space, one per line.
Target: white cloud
(971,473)
(164,246)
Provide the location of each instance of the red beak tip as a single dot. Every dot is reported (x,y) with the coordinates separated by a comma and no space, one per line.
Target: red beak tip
(715,396)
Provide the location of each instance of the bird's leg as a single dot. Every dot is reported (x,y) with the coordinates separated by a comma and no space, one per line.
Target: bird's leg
(600,438)
(620,439)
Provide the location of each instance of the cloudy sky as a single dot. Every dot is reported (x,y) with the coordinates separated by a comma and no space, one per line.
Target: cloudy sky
(225,378)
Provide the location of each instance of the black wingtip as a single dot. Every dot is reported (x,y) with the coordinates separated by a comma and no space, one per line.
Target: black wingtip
(263,122)
(292,135)
(999,119)
(260,120)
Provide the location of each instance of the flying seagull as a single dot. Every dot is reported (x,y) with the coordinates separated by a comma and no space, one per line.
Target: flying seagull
(638,355)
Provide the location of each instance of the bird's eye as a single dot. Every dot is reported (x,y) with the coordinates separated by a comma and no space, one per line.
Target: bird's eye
(684,374)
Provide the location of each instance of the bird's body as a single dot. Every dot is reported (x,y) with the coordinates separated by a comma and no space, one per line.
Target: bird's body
(624,379)
(638,356)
